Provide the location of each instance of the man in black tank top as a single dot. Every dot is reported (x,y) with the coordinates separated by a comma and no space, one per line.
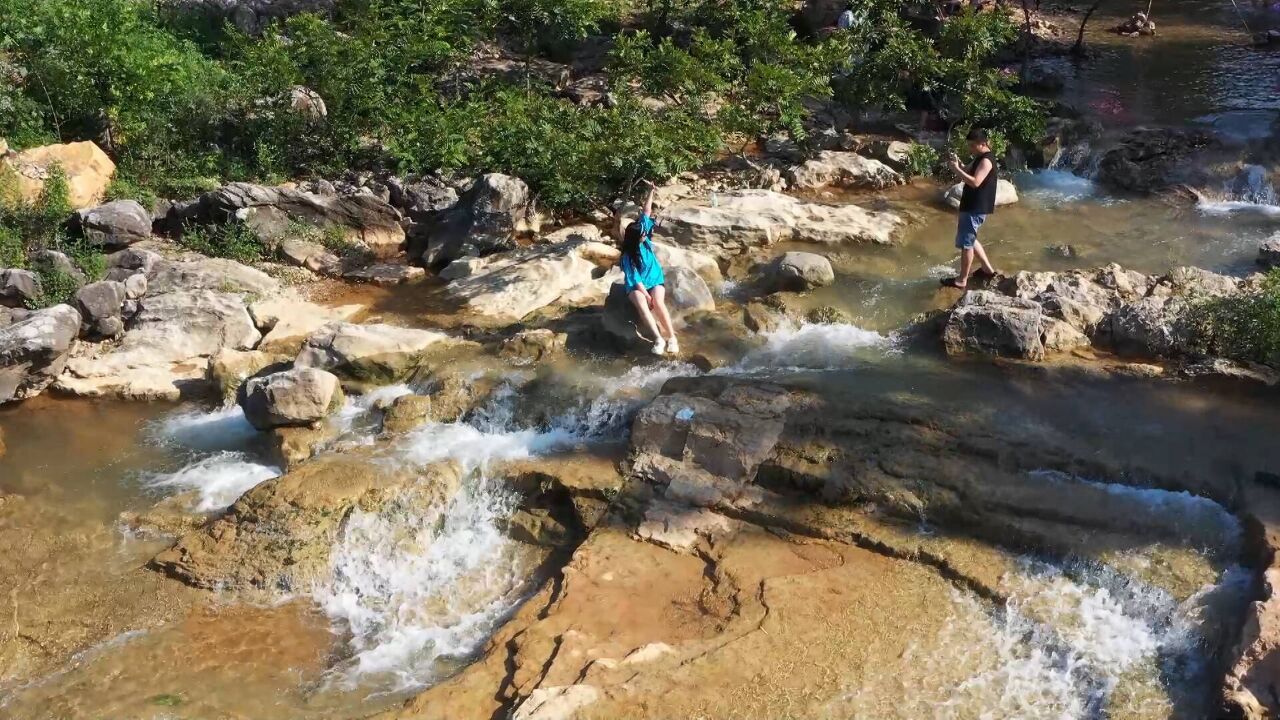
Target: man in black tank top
(977,201)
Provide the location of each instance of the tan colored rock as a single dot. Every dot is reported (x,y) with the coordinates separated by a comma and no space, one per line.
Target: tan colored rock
(406,413)
(287,322)
(509,287)
(243,550)
(842,169)
(167,349)
(746,219)
(293,446)
(373,353)
(229,368)
(533,345)
(87,167)
(296,397)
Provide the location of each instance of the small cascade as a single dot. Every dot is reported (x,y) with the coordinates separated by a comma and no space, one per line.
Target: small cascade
(419,587)
(1067,179)
(1250,191)
(812,346)
(218,469)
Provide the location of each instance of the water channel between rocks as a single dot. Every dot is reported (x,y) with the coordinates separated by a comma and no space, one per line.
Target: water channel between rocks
(1130,631)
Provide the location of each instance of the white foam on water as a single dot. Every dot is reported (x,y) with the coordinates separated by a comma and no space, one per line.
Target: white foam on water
(206,430)
(220,478)
(1067,638)
(812,346)
(1234,207)
(418,588)
(1055,186)
(1198,519)
(1249,192)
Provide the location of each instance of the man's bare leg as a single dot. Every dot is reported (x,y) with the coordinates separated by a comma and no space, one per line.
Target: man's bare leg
(982,257)
(966,267)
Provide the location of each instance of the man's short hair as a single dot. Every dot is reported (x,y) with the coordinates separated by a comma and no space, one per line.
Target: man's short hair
(977,135)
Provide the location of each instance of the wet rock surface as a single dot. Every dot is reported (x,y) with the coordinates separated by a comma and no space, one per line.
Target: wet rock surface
(34,350)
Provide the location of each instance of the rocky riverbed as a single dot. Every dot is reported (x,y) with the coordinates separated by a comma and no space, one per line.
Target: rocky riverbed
(416,462)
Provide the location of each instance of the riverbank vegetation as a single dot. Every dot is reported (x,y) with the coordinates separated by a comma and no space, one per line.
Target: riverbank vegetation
(184,102)
(1244,326)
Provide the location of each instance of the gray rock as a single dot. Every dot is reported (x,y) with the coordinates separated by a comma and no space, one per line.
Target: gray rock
(1150,327)
(124,263)
(100,304)
(135,286)
(34,350)
(987,323)
(295,397)
(18,287)
(1223,369)
(687,294)
(485,220)
(798,272)
(1149,159)
(114,225)
(1269,253)
(271,212)
(218,274)
(58,262)
(422,199)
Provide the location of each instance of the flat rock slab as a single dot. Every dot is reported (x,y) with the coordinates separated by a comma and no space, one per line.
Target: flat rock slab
(746,219)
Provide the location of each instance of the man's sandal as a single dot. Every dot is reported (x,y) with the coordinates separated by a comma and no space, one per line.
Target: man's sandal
(953,283)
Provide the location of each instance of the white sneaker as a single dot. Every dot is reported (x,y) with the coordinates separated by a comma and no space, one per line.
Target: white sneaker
(673,346)
(659,347)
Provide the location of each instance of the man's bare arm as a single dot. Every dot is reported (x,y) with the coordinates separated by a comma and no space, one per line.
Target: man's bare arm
(979,175)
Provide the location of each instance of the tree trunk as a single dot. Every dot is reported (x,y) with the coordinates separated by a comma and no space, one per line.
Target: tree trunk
(1026,43)
(1078,48)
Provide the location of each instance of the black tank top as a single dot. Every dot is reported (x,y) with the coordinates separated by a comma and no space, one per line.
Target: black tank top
(981,199)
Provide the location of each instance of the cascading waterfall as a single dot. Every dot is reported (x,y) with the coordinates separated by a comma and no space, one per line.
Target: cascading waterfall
(1250,191)
(219,470)
(419,588)
(1067,179)
(1077,639)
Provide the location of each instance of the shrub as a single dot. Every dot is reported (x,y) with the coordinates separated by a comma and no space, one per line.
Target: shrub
(56,287)
(233,240)
(1245,326)
(921,160)
(13,253)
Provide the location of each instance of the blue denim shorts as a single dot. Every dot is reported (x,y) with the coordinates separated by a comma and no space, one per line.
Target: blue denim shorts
(967,229)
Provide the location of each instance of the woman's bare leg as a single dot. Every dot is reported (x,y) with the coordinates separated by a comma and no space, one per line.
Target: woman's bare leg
(659,295)
(641,301)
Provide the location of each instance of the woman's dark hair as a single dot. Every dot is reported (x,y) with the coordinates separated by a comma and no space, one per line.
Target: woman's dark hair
(632,238)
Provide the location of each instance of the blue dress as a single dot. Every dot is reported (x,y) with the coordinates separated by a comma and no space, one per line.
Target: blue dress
(649,273)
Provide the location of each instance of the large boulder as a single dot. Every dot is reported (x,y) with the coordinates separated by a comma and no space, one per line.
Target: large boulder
(1269,253)
(741,220)
(273,212)
(988,323)
(115,225)
(87,168)
(131,261)
(1006,194)
(100,306)
(797,272)
(290,398)
(33,351)
(842,169)
(18,287)
(687,294)
(485,220)
(218,274)
(1150,327)
(286,322)
(1150,159)
(423,199)
(372,353)
(167,348)
(506,288)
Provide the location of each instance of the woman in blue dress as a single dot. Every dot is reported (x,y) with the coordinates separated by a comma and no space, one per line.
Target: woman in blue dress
(645,282)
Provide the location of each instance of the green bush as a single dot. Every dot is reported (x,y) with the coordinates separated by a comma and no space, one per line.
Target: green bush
(1240,327)
(233,240)
(13,253)
(922,160)
(56,287)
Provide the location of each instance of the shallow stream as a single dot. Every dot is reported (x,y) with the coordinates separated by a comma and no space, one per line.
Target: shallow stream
(1122,632)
